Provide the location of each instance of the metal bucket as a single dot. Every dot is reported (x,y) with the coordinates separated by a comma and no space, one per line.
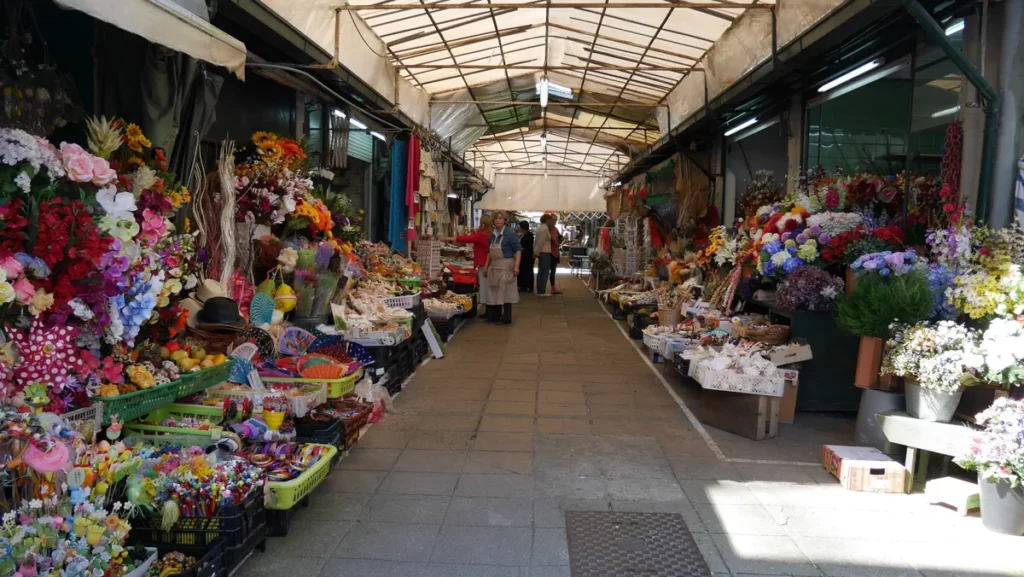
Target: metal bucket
(929,405)
(1002,507)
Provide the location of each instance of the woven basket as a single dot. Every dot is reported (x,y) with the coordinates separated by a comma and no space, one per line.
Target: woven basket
(771,335)
(215,342)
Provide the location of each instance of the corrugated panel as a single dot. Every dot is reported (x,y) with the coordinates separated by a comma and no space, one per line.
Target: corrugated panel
(360,145)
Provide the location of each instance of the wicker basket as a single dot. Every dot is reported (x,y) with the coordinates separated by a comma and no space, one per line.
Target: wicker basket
(215,342)
(771,335)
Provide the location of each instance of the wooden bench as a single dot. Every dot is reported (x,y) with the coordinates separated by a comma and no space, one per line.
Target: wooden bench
(950,439)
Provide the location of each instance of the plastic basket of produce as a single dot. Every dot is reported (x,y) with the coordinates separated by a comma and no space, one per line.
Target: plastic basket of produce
(411,282)
(285,494)
(176,561)
(403,302)
(233,523)
(336,388)
(88,421)
(302,396)
(181,419)
(653,341)
(139,403)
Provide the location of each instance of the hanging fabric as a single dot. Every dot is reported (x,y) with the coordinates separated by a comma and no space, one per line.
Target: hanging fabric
(339,140)
(397,218)
(412,185)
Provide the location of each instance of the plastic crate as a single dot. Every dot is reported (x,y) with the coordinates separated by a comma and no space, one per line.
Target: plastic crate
(234,556)
(317,429)
(139,403)
(471,313)
(279,522)
(652,342)
(233,524)
(403,302)
(209,560)
(300,404)
(464,288)
(88,421)
(445,329)
(336,388)
(360,414)
(286,494)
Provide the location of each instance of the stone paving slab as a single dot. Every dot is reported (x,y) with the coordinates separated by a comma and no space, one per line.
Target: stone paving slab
(486,450)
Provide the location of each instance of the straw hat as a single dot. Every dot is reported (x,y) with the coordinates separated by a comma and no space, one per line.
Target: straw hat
(206,290)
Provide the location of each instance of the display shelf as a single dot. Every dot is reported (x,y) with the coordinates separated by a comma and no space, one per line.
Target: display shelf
(133,405)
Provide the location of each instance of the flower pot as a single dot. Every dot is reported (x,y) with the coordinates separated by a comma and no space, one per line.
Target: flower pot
(929,405)
(851,281)
(868,433)
(1002,507)
(869,362)
(273,419)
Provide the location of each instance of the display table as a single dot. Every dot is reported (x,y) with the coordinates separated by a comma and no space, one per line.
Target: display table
(826,382)
(951,439)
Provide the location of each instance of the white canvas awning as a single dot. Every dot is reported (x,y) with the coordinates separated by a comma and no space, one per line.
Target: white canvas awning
(561,189)
(166,23)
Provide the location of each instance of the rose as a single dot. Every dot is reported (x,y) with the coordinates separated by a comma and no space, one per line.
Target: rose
(23,291)
(7,293)
(102,174)
(11,267)
(78,167)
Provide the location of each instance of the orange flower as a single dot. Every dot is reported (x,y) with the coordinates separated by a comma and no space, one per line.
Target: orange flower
(262,137)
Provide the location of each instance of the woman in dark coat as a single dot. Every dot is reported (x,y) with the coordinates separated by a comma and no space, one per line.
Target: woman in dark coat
(526,270)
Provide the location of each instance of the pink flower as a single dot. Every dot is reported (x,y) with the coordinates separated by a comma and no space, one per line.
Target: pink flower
(153,226)
(12,268)
(23,291)
(78,167)
(102,174)
(71,149)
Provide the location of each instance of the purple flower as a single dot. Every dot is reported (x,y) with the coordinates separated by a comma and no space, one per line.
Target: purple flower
(884,272)
(786,236)
(870,265)
(773,247)
(802,238)
(769,268)
(814,231)
(823,238)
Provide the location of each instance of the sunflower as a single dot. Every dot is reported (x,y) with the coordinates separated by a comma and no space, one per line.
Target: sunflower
(269,150)
(135,138)
(262,137)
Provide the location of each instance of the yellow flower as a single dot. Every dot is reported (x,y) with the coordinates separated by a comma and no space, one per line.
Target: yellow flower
(187,225)
(185,195)
(262,137)
(135,138)
(41,302)
(270,151)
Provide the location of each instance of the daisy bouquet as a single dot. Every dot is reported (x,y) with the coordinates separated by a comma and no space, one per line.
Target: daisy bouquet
(997,452)
(938,354)
(1000,358)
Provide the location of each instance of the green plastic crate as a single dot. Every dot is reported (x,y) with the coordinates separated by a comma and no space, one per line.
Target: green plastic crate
(150,424)
(139,403)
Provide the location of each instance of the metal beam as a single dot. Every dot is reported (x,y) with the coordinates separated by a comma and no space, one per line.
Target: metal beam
(647,68)
(530,103)
(554,6)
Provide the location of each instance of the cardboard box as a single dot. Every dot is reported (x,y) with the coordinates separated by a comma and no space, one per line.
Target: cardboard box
(792,354)
(737,382)
(787,407)
(864,469)
(752,416)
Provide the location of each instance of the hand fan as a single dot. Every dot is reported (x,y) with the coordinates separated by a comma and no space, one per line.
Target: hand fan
(261,309)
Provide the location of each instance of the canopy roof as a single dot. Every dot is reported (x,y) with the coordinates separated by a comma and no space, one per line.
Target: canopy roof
(481,67)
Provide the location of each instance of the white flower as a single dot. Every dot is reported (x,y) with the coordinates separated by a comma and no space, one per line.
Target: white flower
(35,504)
(9,518)
(24,182)
(116,204)
(17,146)
(80,309)
(144,178)
(780,258)
(829,292)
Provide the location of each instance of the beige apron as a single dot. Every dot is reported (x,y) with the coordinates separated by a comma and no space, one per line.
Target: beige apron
(501,278)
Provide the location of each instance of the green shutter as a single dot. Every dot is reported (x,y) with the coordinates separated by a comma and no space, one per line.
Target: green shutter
(360,145)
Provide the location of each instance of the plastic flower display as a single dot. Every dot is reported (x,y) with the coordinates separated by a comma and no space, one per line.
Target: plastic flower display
(997,452)
(1000,358)
(268,180)
(887,263)
(809,288)
(938,354)
(991,283)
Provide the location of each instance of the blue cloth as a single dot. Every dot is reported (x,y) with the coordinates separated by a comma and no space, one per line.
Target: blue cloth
(397,217)
(509,242)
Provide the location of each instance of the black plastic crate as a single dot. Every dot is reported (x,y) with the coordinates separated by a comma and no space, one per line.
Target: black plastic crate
(208,559)
(234,556)
(471,313)
(618,313)
(445,328)
(463,288)
(233,525)
(279,522)
(317,430)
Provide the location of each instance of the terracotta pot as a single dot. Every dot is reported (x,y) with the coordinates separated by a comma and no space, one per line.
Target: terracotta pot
(851,281)
(869,362)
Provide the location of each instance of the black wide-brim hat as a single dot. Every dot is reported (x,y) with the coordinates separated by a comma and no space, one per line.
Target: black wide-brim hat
(220,314)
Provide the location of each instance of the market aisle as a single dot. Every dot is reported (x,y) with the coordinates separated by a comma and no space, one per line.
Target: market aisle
(490,445)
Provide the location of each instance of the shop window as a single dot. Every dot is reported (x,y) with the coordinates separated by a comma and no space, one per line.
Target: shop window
(937,86)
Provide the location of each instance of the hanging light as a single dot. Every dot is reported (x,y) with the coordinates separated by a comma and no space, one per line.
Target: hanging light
(452,195)
(946,112)
(858,71)
(357,124)
(741,126)
(544,142)
(542,90)
(378,135)
(955,27)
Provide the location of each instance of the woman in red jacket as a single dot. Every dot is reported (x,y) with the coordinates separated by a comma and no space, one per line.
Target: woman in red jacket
(479,240)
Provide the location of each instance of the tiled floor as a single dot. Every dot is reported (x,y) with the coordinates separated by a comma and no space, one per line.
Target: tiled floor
(470,477)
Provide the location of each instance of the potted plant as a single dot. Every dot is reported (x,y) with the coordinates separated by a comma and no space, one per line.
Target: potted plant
(997,454)
(933,358)
(809,289)
(1000,358)
(891,287)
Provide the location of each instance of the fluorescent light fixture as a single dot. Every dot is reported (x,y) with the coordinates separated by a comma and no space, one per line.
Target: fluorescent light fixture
(955,27)
(558,90)
(378,135)
(858,71)
(357,124)
(616,183)
(542,90)
(741,126)
(544,142)
(452,195)
(339,113)
(946,112)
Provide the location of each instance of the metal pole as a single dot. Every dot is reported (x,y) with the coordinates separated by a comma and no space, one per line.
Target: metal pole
(554,5)
(645,68)
(529,103)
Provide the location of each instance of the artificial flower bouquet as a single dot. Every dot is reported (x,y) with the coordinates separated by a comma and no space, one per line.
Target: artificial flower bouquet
(762,190)
(796,247)
(997,451)
(811,289)
(990,283)
(936,355)
(269,182)
(848,246)
(63,537)
(999,358)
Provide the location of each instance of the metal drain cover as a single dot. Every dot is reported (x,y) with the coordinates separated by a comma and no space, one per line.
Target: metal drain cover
(612,544)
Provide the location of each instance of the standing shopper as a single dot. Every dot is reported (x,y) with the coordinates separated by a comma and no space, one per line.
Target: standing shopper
(556,251)
(479,240)
(526,262)
(501,270)
(542,244)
